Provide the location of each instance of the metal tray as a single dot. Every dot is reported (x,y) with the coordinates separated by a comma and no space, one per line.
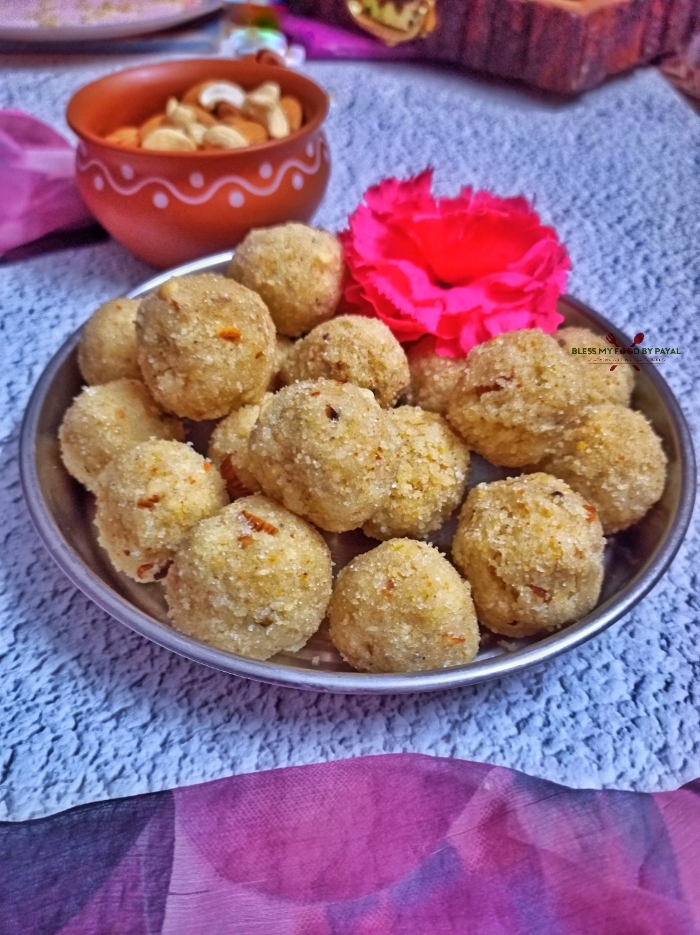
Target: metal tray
(62,512)
(109,27)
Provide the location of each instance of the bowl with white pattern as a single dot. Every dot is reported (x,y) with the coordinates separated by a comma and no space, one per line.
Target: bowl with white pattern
(172,207)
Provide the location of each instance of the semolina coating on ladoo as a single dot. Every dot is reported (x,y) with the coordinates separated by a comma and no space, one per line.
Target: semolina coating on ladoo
(206,345)
(255,579)
(107,348)
(402,607)
(516,392)
(228,449)
(532,550)
(433,378)
(107,419)
(601,384)
(432,476)
(612,457)
(298,271)
(327,451)
(147,499)
(354,349)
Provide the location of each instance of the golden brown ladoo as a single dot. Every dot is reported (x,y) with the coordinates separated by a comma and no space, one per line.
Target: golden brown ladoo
(403,608)
(433,378)
(147,498)
(532,550)
(297,270)
(354,349)
(612,457)
(206,345)
(107,349)
(107,419)
(327,451)
(255,579)
(516,392)
(600,383)
(228,449)
(432,475)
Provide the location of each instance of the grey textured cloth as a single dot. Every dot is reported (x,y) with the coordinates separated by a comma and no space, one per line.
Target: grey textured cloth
(89,710)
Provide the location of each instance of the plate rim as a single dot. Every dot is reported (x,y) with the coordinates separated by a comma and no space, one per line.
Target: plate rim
(127,29)
(311,679)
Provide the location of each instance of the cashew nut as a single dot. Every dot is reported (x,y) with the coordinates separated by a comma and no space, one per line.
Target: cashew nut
(271,116)
(224,137)
(169,139)
(196,132)
(191,96)
(236,118)
(150,125)
(269,93)
(220,91)
(252,131)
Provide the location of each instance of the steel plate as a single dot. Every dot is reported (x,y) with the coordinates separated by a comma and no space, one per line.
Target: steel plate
(62,512)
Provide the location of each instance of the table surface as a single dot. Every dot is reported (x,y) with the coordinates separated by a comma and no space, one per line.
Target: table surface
(89,710)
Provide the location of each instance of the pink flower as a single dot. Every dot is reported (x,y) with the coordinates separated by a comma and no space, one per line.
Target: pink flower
(463,269)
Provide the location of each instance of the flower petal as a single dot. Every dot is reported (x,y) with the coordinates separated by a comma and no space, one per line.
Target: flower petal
(463,269)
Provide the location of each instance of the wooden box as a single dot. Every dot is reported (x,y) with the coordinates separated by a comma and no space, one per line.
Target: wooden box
(559,45)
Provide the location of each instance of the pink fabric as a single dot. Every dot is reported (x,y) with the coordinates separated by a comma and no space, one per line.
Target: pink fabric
(384,845)
(37,168)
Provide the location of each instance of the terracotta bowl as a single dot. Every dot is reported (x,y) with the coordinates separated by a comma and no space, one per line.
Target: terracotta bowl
(171,207)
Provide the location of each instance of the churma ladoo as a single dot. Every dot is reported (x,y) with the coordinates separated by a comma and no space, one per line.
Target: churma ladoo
(297,270)
(228,449)
(601,384)
(107,419)
(432,476)
(107,348)
(327,451)
(515,394)
(206,345)
(255,579)
(433,378)
(402,607)
(612,457)
(147,498)
(532,550)
(354,349)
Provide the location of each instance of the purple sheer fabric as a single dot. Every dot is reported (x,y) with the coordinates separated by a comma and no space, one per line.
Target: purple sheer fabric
(386,845)
(322,41)
(37,168)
